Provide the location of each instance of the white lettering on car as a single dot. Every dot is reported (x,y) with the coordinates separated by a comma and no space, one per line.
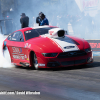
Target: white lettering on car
(27,45)
(17,53)
(41,64)
(23,57)
(27,31)
(16,50)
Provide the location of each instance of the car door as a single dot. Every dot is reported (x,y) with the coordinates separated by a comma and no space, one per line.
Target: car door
(17,48)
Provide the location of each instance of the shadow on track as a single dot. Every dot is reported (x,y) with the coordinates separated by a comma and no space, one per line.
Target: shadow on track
(94,64)
(27,68)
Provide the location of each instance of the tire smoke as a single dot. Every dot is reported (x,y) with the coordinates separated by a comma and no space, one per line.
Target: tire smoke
(4,61)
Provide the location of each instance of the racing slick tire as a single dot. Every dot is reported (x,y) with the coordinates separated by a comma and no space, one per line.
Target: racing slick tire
(6,54)
(35,62)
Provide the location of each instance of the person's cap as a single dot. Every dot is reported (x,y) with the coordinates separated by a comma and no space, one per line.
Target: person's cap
(23,14)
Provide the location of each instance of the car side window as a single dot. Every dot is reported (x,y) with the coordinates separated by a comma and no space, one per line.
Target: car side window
(16,36)
(10,36)
(31,34)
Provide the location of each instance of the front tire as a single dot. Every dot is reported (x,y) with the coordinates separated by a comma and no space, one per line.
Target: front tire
(35,62)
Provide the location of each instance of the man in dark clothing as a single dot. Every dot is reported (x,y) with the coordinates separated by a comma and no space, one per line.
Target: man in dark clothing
(24,20)
(42,20)
(38,20)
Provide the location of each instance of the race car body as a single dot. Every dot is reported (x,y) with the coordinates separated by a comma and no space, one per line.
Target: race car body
(46,47)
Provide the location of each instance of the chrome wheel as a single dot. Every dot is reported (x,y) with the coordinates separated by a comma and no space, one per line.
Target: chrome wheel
(35,62)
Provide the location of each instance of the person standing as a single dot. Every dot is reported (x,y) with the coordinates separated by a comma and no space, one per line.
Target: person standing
(42,20)
(24,20)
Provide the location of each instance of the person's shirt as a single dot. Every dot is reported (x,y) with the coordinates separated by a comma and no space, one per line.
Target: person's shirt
(44,22)
(24,21)
(38,20)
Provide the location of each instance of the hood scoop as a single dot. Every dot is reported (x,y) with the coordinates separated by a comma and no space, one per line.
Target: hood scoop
(57,33)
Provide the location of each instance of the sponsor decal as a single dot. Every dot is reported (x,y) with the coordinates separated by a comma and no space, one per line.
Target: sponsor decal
(43,36)
(41,64)
(17,53)
(17,50)
(20,50)
(23,57)
(27,45)
(69,47)
(28,59)
(27,31)
(51,32)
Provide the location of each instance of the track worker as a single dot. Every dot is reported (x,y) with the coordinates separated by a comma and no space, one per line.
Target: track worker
(24,20)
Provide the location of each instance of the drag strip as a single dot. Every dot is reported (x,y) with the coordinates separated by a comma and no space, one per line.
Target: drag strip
(73,83)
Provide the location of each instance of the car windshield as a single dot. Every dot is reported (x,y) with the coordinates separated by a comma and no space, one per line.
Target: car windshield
(36,32)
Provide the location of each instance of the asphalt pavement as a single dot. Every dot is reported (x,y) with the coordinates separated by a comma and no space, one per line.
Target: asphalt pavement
(72,83)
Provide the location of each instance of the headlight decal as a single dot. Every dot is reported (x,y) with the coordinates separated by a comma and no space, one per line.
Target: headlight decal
(49,54)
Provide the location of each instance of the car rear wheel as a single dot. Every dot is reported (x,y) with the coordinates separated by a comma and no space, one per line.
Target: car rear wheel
(6,54)
(35,62)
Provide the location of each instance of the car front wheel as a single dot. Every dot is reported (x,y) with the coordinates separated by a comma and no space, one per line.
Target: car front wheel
(35,62)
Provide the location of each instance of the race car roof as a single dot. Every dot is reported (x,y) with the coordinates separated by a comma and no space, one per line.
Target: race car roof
(45,26)
(37,27)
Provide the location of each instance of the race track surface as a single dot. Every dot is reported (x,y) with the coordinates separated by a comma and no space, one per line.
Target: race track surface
(73,83)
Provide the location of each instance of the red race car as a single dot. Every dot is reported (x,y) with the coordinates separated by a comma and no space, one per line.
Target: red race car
(46,47)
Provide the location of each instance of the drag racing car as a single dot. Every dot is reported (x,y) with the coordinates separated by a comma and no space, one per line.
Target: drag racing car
(46,47)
